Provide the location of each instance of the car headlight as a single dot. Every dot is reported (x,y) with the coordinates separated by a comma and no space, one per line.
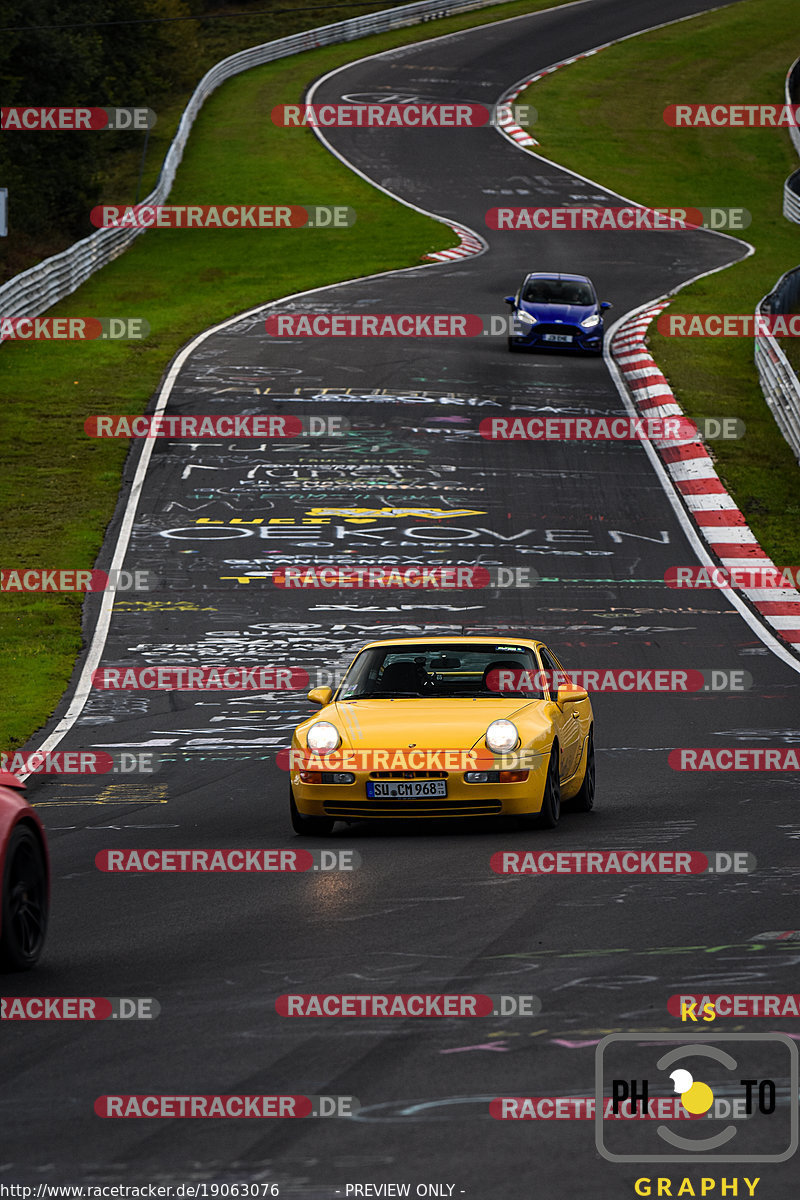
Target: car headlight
(502,736)
(323,737)
(590,321)
(524,318)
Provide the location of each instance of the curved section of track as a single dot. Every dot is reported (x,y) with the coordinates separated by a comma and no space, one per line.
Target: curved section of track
(424,912)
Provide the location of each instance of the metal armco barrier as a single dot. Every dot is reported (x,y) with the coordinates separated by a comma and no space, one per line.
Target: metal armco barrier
(791,198)
(778,381)
(793,97)
(791,188)
(35,290)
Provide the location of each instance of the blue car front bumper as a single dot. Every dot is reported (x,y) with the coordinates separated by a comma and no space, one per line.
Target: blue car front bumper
(558,337)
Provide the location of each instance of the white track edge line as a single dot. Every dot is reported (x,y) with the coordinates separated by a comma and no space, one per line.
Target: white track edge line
(83,688)
(687,524)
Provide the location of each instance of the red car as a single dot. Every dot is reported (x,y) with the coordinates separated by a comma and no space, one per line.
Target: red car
(25,876)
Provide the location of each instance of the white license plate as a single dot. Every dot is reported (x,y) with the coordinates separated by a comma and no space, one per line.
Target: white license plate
(418,789)
(556,337)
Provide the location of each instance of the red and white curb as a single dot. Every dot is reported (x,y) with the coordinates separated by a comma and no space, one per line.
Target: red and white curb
(504,122)
(507,125)
(516,132)
(717,519)
(469,245)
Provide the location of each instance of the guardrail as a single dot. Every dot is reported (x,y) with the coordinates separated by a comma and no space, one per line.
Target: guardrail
(791,198)
(791,188)
(778,381)
(793,97)
(35,290)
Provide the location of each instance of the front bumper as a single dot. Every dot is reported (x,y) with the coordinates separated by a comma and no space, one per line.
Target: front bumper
(534,338)
(350,801)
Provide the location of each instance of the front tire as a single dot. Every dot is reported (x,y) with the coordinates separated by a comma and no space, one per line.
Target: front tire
(551,805)
(308,826)
(25,901)
(583,801)
(550,812)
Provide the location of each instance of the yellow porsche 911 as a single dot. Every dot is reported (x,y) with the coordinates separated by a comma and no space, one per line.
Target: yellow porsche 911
(444,727)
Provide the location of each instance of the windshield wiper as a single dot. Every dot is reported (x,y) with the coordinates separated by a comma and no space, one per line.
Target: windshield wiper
(512,695)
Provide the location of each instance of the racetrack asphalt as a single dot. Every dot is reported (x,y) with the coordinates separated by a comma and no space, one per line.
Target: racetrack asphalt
(424,912)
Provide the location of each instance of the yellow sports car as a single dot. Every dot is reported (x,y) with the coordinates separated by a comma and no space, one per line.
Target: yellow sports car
(444,727)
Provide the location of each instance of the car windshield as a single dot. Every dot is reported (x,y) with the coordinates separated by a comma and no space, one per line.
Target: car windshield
(557,291)
(453,671)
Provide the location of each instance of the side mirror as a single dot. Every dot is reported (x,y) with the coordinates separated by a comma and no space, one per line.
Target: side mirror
(571,695)
(320,695)
(510,300)
(606,304)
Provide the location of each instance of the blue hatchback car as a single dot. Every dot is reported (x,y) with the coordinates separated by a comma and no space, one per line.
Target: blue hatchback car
(557,312)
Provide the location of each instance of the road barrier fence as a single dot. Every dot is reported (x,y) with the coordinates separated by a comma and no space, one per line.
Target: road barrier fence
(779,383)
(35,290)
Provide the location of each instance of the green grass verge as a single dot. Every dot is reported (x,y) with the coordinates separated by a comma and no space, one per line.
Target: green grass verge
(208,39)
(58,488)
(603,118)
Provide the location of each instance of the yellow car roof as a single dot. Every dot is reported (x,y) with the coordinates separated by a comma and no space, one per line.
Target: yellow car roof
(456,639)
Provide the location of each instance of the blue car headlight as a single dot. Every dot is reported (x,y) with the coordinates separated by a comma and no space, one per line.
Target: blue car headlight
(591,321)
(524,318)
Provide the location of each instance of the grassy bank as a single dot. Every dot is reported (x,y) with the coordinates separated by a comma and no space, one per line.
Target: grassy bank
(603,118)
(58,488)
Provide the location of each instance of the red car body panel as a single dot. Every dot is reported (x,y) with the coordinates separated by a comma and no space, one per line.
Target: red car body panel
(15,810)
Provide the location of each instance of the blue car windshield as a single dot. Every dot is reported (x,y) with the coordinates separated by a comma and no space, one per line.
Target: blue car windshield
(557,291)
